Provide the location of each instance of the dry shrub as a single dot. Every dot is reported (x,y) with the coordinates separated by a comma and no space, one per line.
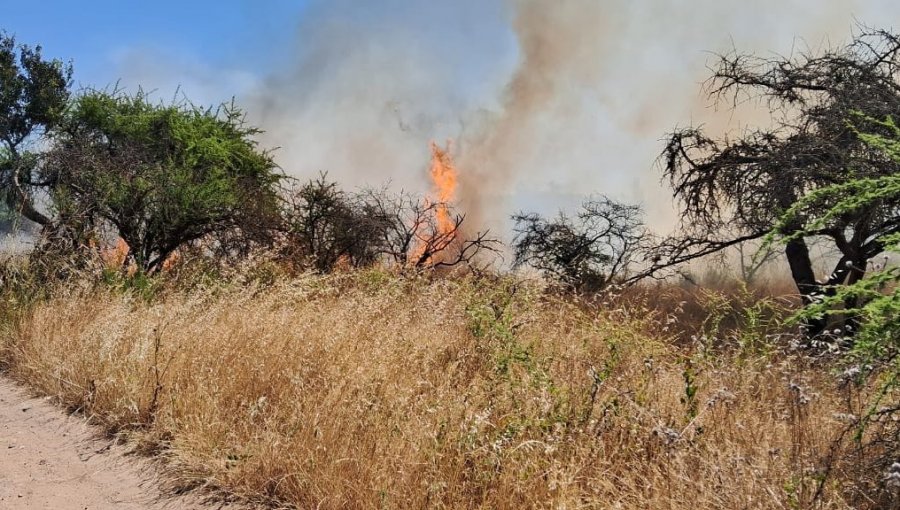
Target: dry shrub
(725,314)
(366,390)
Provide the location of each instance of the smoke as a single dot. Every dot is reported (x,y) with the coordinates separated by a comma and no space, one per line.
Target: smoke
(368,85)
(599,84)
(543,105)
(548,101)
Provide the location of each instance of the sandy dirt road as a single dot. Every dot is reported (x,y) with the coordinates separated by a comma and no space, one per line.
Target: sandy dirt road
(52,461)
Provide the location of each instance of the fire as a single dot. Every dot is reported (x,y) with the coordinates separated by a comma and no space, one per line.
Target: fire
(444,179)
(171,261)
(114,257)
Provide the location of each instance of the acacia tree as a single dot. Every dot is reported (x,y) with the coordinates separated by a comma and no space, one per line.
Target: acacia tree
(587,252)
(161,176)
(874,299)
(326,226)
(873,302)
(410,233)
(33,96)
(733,190)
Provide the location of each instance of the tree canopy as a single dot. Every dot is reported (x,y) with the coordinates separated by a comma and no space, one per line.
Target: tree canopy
(873,301)
(586,252)
(731,190)
(34,93)
(161,175)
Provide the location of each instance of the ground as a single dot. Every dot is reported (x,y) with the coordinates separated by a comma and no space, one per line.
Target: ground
(52,461)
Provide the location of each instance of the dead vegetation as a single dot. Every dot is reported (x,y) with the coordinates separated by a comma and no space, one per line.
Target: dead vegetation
(370,390)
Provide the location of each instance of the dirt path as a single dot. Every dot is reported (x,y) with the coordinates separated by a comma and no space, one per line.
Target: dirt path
(52,461)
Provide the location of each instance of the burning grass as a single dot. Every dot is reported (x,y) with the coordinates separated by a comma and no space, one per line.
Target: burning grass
(370,390)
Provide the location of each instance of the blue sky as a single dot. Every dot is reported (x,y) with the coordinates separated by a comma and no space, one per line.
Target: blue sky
(97,34)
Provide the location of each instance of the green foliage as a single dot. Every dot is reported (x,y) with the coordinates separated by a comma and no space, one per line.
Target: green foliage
(740,318)
(689,399)
(867,310)
(33,96)
(493,319)
(33,91)
(806,175)
(496,315)
(138,284)
(874,300)
(849,198)
(161,175)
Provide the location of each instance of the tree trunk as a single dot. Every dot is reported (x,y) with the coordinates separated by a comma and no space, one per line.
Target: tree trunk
(801,269)
(20,202)
(805,278)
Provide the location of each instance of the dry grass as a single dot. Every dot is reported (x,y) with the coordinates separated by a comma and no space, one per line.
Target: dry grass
(373,391)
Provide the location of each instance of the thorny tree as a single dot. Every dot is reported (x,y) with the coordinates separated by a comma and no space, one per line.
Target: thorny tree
(588,252)
(33,96)
(412,236)
(734,190)
(161,176)
(326,226)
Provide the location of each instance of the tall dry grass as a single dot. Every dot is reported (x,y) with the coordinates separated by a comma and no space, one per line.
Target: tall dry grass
(370,390)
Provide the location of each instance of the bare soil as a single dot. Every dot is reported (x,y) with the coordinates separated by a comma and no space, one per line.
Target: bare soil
(49,460)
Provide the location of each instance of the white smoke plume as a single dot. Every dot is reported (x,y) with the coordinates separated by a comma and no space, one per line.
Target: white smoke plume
(548,101)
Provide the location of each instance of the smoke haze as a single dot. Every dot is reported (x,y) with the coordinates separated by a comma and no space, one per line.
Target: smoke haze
(548,101)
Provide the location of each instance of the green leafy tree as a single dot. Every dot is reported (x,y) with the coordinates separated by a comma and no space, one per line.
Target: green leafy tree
(161,175)
(871,303)
(34,93)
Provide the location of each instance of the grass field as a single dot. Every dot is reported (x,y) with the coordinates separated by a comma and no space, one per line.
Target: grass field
(375,390)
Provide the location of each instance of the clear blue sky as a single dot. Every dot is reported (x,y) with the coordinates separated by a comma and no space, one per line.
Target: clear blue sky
(95,33)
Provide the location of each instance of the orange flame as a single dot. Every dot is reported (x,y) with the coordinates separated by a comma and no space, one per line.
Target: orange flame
(444,179)
(114,256)
(171,261)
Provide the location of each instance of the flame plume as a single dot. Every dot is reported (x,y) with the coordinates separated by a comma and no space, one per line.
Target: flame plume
(444,179)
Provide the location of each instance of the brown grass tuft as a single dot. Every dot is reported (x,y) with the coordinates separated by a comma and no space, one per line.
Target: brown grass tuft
(368,390)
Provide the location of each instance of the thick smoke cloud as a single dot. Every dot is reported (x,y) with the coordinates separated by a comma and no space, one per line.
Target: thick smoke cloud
(548,101)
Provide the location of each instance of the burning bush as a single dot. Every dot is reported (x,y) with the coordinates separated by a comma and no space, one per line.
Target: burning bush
(327,227)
